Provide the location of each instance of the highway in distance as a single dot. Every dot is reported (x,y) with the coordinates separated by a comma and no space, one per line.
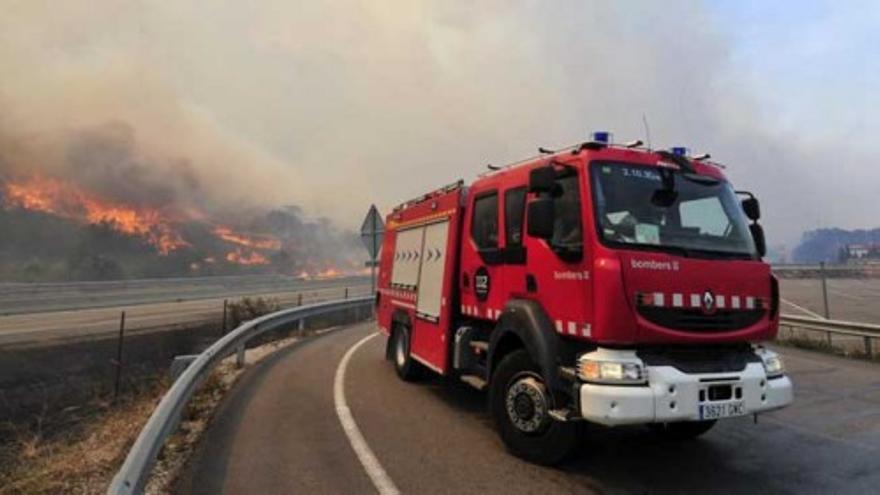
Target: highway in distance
(278,432)
(79,311)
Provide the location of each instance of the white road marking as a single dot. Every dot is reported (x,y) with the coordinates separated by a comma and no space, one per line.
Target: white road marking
(368,459)
(805,310)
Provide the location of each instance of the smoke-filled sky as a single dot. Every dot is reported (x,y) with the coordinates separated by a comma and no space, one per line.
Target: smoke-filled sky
(335,105)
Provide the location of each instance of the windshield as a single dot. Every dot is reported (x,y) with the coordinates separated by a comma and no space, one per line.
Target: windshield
(666,209)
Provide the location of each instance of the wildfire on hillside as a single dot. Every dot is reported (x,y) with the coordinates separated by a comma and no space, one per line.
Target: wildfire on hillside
(161,229)
(66,200)
(99,203)
(177,231)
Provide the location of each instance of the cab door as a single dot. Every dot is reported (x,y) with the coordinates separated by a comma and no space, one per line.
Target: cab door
(482,256)
(517,281)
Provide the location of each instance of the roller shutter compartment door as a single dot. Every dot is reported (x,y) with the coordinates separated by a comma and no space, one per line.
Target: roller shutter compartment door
(433,263)
(407,254)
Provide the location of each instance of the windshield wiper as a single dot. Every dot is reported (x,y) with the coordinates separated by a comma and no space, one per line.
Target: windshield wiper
(681,251)
(703,180)
(712,253)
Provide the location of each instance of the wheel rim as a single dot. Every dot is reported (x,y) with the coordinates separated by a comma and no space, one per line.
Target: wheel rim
(400,349)
(527,403)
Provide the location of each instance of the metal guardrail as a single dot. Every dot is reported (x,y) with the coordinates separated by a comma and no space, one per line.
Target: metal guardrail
(135,471)
(867,331)
(218,280)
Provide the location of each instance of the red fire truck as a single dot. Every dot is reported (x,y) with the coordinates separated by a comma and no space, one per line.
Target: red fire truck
(605,283)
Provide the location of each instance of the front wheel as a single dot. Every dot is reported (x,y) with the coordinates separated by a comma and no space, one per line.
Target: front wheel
(520,404)
(682,431)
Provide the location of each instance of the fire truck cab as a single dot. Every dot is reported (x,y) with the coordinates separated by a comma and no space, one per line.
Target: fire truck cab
(602,283)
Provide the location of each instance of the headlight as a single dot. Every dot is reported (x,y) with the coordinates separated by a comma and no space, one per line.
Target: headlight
(594,370)
(772,363)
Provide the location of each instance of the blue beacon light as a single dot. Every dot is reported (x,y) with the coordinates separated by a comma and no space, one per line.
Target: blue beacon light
(603,137)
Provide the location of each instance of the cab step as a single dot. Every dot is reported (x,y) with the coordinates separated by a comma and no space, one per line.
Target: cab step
(568,373)
(563,415)
(475,381)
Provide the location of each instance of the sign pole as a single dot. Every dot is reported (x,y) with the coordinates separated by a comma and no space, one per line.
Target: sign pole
(375,249)
(372,233)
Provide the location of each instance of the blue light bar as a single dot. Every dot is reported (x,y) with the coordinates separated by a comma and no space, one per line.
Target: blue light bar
(680,151)
(602,137)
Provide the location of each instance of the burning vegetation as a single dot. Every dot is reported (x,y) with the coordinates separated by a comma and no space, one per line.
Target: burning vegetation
(109,212)
(66,200)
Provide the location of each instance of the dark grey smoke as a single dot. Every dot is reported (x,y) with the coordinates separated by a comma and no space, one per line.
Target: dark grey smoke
(335,105)
(104,160)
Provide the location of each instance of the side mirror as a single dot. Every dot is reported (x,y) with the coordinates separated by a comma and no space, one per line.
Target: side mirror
(542,179)
(758,236)
(541,217)
(752,208)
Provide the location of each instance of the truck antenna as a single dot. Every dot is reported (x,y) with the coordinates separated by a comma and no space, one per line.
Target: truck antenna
(647,131)
(545,151)
(492,167)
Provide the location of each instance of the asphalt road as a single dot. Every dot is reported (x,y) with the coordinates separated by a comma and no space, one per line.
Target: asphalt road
(48,327)
(278,432)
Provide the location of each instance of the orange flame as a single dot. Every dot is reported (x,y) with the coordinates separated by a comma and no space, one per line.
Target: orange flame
(328,272)
(258,242)
(246,258)
(66,200)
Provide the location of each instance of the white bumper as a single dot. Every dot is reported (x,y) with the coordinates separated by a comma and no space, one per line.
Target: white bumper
(672,395)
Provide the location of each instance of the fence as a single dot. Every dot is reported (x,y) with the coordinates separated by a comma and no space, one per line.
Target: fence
(135,471)
(865,331)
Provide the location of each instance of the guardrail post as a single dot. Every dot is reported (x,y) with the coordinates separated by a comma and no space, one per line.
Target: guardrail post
(299,299)
(346,293)
(239,356)
(119,356)
(301,326)
(824,290)
(829,338)
(868,347)
(225,309)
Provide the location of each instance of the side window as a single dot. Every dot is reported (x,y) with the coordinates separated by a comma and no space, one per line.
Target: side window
(484,225)
(567,231)
(514,210)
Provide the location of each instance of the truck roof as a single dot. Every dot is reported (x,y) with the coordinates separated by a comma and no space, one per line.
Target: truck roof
(573,155)
(590,151)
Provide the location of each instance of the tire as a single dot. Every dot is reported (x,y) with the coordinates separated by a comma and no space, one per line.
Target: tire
(535,437)
(399,351)
(686,430)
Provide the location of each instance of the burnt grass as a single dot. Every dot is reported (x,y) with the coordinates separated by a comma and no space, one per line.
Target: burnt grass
(54,388)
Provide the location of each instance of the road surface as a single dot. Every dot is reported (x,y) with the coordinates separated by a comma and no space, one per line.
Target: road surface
(54,326)
(278,432)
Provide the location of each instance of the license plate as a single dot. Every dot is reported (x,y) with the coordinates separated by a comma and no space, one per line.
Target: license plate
(724,410)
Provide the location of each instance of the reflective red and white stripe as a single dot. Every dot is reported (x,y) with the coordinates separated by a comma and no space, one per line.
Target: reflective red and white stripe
(692,300)
(478,312)
(567,327)
(564,327)
(406,295)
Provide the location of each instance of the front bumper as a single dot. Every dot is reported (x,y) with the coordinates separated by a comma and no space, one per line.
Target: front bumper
(672,395)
